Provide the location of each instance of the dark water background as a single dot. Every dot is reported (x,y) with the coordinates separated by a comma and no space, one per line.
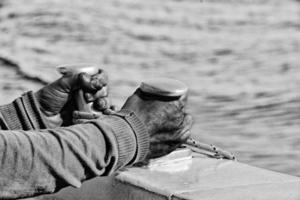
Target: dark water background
(240,59)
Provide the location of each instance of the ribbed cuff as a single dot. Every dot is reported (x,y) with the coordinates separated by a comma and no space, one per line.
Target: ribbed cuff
(11,120)
(33,111)
(23,113)
(125,139)
(140,132)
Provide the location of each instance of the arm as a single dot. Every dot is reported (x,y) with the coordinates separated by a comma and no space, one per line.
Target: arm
(38,162)
(53,105)
(22,114)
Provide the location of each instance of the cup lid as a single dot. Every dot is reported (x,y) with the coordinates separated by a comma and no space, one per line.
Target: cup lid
(88,68)
(164,87)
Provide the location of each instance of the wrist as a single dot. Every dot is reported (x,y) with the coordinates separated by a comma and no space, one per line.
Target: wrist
(141,134)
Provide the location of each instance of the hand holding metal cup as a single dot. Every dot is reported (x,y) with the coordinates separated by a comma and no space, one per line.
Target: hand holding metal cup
(91,97)
(160,105)
(173,90)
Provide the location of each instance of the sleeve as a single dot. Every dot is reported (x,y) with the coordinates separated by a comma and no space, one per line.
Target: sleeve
(44,161)
(22,114)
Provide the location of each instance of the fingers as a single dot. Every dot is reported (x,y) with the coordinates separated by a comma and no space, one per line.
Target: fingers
(184,132)
(92,83)
(85,115)
(111,110)
(179,134)
(173,119)
(174,115)
(95,90)
(80,121)
(164,143)
(82,117)
(158,149)
(73,80)
(101,104)
(99,80)
(90,97)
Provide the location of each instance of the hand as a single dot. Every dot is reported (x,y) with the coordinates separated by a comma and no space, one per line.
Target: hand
(58,102)
(167,123)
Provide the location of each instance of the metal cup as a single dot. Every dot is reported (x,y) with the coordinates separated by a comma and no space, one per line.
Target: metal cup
(164,88)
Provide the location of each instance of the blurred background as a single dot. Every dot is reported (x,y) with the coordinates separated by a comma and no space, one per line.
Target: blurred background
(239,58)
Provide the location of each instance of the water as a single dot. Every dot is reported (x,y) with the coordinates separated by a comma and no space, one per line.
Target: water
(239,58)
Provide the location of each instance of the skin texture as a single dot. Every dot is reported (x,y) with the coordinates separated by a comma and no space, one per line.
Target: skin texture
(166,120)
(57,100)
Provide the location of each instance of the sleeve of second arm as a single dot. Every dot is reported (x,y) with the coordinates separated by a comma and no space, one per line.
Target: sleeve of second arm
(38,162)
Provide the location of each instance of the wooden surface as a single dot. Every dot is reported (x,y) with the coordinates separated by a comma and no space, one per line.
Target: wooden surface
(198,177)
(207,178)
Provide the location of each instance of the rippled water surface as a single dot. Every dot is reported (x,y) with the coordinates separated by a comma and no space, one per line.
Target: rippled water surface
(239,58)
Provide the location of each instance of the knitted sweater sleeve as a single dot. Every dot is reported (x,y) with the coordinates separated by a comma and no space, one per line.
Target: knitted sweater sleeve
(22,114)
(40,161)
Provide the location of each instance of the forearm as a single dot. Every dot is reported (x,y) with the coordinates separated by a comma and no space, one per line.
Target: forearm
(37,162)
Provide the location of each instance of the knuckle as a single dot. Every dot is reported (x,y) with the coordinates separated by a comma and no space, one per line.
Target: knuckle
(102,104)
